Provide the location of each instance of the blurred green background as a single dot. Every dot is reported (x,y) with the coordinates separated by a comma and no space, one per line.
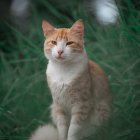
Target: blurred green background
(24,94)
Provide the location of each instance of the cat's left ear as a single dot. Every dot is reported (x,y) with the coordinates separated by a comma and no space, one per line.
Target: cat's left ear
(47,28)
(78,28)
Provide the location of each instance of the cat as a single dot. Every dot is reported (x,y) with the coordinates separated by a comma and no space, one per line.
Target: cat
(79,87)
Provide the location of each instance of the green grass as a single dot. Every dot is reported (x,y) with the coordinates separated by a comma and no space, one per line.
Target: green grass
(24,94)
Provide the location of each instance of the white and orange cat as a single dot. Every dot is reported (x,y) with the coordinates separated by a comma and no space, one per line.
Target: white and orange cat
(79,87)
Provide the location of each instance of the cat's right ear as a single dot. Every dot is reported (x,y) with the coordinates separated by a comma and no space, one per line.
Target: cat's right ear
(47,28)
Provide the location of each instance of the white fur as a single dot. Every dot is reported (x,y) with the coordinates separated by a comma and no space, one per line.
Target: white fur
(61,45)
(64,70)
(64,73)
(47,132)
(74,132)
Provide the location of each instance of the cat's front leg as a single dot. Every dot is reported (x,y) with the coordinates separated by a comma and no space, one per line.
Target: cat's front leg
(77,124)
(61,120)
(74,131)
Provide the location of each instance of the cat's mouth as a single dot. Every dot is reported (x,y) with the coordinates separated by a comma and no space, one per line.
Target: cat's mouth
(60,58)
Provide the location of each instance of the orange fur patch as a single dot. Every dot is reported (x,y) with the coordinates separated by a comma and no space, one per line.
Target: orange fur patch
(94,68)
(65,34)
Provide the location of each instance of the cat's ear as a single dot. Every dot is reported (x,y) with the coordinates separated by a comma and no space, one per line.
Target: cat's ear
(47,28)
(78,28)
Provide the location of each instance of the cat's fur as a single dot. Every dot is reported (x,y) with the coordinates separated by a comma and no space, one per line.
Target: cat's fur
(79,87)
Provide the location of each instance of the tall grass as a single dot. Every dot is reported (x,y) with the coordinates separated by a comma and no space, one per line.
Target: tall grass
(24,94)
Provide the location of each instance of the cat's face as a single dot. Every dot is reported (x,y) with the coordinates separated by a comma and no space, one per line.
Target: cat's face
(63,44)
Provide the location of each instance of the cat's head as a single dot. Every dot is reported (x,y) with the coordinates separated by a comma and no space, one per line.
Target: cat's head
(63,44)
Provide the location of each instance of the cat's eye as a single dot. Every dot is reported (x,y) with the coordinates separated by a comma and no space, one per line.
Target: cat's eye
(54,42)
(69,43)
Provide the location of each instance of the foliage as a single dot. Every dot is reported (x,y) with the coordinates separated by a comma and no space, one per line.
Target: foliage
(24,95)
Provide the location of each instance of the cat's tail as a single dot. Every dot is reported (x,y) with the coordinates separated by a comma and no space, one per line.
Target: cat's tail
(46,132)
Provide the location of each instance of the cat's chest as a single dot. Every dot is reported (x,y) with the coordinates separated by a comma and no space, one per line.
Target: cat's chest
(61,75)
(60,80)
(60,87)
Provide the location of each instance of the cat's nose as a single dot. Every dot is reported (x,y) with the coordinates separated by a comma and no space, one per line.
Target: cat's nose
(60,52)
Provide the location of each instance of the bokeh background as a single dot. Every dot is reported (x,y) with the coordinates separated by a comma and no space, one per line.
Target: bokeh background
(24,94)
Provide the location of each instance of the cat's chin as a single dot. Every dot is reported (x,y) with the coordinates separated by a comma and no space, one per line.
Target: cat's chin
(57,59)
(60,59)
